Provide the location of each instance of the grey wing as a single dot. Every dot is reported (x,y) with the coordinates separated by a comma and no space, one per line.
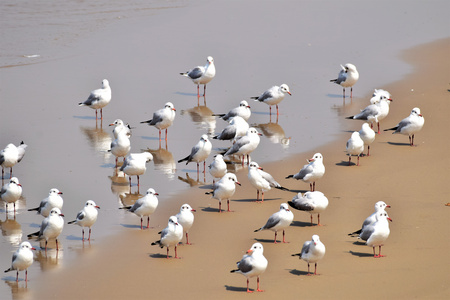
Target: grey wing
(164,232)
(307,169)
(239,143)
(42,204)
(232,113)
(366,233)
(245,265)
(14,257)
(2,158)
(91,99)
(273,220)
(3,190)
(302,204)
(136,206)
(44,225)
(227,133)
(124,165)
(370,110)
(269,178)
(81,215)
(403,123)
(305,248)
(195,73)
(341,77)
(266,95)
(157,117)
(194,151)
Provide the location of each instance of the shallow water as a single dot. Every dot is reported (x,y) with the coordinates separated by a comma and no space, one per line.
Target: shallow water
(141,54)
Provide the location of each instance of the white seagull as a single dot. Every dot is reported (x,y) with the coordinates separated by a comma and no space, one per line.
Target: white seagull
(379,206)
(252,264)
(202,75)
(11,192)
(347,77)
(218,167)
(171,235)
(262,181)
(162,118)
(10,156)
(51,227)
(98,98)
(311,172)
(86,217)
(120,146)
(236,128)
(22,259)
(199,153)
(186,218)
(410,125)
(134,164)
(378,94)
(279,221)
(119,127)
(144,206)
(311,202)
(243,111)
(273,96)
(224,189)
(54,199)
(245,145)
(312,252)
(374,113)
(367,135)
(355,146)
(377,233)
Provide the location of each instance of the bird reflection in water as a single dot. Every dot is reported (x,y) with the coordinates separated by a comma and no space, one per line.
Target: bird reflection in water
(164,161)
(275,133)
(19,290)
(119,184)
(11,229)
(129,199)
(99,140)
(49,260)
(203,117)
(192,181)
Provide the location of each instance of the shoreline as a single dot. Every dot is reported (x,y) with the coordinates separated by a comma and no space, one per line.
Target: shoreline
(344,261)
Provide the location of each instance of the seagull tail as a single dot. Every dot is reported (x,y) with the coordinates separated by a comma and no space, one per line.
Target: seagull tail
(33,234)
(8,270)
(232,271)
(357,232)
(283,188)
(297,254)
(393,128)
(185,159)
(351,117)
(71,222)
(34,209)
(148,121)
(125,207)
(290,176)
(259,229)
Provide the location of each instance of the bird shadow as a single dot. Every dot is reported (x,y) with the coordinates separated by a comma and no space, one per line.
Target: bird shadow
(130,226)
(360,254)
(398,144)
(268,241)
(74,238)
(301,224)
(359,243)
(151,138)
(186,94)
(209,209)
(84,117)
(336,96)
(298,191)
(298,272)
(235,288)
(158,255)
(344,163)
(254,200)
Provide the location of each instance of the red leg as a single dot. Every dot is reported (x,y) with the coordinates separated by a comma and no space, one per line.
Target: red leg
(262,196)
(258,289)
(284,241)
(318,220)
(368,150)
(277,110)
(89,239)
(101,113)
(257,195)
(351,92)
(167,252)
(349,159)
(358,161)
(17,276)
(275,241)
(315,269)
(57,247)
(26,275)
(82,234)
(141,223)
(378,124)
(176,255)
(204,90)
(228,204)
(309,274)
(95,115)
(220,206)
(248,290)
(148,222)
(187,239)
(166,134)
(311,220)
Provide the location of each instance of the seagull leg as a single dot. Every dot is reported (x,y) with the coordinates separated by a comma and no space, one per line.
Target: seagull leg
(318,220)
(167,253)
(351,92)
(130,184)
(89,239)
(277,111)
(220,206)
(309,274)
(349,159)
(176,255)
(101,113)
(204,167)
(378,124)
(368,150)
(204,90)
(187,239)
(258,289)
(148,222)
(26,275)
(166,135)
(262,197)
(141,224)
(275,241)
(82,234)
(228,204)
(248,290)
(284,241)
(315,269)
(95,115)
(358,161)
(17,276)
(57,247)
(257,195)
(198,90)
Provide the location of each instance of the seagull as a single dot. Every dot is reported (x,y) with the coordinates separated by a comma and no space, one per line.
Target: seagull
(379,207)
(51,227)
(312,252)
(11,192)
(355,146)
(410,125)
(119,127)
(374,113)
(54,199)
(22,259)
(378,94)
(171,235)
(312,202)
(252,264)
(347,77)
(218,167)
(98,98)
(376,233)
(237,127)
(144,206)
(87,217)
(202,75)
(261,180)
(224,189)
(162,118)
(311,172)
(199,153)
(273,96)
(245,145)
(10,156)
(186,219)
(367,135)
(120,146)
(243,111)
(134,164)
(279,220)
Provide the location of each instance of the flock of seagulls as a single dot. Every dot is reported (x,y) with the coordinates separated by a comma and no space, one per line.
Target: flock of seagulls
(244,140)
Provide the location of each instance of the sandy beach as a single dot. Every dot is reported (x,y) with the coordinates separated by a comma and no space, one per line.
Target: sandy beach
(120,263)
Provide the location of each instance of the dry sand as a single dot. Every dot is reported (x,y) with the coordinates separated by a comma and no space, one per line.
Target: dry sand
(413,180)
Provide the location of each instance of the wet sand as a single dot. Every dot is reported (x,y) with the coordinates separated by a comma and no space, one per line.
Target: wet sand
(120,262)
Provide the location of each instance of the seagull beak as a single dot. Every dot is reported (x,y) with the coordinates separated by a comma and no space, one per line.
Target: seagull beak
(311,159)
(111,124)
(156,194)
(193,210)
(289,93)
(260,168)
(249,251)
(33,248)
(174,109)
(237,182)
(389,219)
(60,193)
(259,133)
(248,106)
(97,206)
(420,115)
(19,184)
(390,99)
(62,215)
(388,206)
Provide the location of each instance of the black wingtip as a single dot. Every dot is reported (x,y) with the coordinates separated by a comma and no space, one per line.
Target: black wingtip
(232,271)
(297,254)
(143,122)
(283,188)
(351,117)
(290,176)
(71,222)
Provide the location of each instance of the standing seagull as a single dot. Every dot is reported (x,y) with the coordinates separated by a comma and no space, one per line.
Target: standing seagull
(410,125)
(367,135)
(347,77)
(202,75)
(312,252)
(119,127)
(199,153)
(10,156)
(145,206)
(162,118)
(51,227)
(376,233)
(54,199)
(378,94)
(134,164)
(273,96)
(218,167)
(22,259)
(312,202)
(224,189)
(279,220)
(11,192)
(252,264)
(355,146)
(186,219)
(171,235)
(87,217)
(243,111)
(98,98)
(245,145)
(261,180)
(374,113)
(237,127)
(379,207)
(311,172)
(120,146)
